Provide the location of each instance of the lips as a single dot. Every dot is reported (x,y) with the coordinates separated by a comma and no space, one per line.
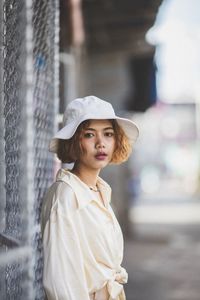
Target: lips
(101,156)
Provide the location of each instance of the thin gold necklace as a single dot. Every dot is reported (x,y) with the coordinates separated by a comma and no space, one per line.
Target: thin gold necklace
(92,189)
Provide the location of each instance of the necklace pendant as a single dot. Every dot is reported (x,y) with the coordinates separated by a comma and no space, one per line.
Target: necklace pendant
(97,190)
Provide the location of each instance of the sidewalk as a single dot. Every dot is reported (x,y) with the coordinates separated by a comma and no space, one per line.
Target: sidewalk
(163,262)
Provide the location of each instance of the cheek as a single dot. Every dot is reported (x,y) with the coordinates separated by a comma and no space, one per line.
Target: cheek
(113,145)
(86,146)
(82,147)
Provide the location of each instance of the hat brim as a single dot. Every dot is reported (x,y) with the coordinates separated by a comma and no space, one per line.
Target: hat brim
(130,128)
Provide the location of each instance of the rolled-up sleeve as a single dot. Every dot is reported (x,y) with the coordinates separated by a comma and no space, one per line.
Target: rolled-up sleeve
(63,275)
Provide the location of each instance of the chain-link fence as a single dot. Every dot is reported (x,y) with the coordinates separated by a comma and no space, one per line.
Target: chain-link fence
(29,34)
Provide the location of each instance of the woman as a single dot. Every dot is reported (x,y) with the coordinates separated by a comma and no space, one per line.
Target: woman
(82,240)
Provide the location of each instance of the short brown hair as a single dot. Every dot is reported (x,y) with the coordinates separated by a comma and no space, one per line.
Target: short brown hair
(70,150)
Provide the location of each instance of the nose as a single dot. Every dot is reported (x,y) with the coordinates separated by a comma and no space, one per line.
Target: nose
(100,143)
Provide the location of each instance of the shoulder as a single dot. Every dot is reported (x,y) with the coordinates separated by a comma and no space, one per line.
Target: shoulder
(66,197)
(59,196)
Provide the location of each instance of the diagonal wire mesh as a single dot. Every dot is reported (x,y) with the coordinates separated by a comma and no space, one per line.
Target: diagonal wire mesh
(28,104)
(45,53)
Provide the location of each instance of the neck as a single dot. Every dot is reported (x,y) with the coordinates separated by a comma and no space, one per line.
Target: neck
(88,176)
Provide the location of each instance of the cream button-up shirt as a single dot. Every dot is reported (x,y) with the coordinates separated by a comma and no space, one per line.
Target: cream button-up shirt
(82,242)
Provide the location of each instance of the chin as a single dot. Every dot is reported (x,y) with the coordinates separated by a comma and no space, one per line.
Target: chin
(103,164)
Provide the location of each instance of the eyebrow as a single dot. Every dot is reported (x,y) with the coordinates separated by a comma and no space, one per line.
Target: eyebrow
(92,129)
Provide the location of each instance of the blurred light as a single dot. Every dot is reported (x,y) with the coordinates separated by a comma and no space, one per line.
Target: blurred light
(185,213)
(190,184)
(176,34)
(170,127)
(182,161)
(150,179)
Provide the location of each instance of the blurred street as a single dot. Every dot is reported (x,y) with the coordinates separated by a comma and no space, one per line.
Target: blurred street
(163,262)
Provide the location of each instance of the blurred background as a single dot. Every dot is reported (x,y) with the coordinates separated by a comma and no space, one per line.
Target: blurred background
(143,57)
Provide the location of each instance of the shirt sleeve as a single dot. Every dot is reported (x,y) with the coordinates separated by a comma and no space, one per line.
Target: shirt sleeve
(63,274)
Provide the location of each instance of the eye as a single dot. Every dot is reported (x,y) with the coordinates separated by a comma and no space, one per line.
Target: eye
(88,134)
(109,134)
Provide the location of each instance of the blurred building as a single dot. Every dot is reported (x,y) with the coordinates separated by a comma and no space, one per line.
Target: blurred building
(104,52)
(107,45)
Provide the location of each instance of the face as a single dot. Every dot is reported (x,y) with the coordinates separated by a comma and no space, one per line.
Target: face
(98,143)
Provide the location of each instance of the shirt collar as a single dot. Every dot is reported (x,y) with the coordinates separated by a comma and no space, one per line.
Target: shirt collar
(82,191)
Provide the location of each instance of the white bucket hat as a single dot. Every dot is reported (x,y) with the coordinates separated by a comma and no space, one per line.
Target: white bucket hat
(88,108)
